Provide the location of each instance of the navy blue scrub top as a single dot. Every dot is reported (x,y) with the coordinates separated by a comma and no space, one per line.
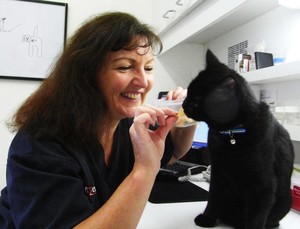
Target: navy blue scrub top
(52,185)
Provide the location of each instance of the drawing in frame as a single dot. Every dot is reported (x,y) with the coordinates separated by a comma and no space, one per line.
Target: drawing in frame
(32,35)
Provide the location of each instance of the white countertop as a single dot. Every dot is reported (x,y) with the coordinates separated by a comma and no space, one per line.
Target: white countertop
(181,215)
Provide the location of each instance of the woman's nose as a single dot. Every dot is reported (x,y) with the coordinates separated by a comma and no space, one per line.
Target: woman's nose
(141,78)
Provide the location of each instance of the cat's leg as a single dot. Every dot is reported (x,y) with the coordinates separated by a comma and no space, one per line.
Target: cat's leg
(206,219)
(210,215)
(259,204)
(284,168)
(280,208)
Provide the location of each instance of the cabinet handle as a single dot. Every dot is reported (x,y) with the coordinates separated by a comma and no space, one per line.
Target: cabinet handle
(166,14)
(179,3)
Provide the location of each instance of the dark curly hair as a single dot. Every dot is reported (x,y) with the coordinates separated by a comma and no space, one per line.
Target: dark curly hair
(69,104)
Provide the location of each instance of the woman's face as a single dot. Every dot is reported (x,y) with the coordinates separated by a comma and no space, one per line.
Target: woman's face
(125,79)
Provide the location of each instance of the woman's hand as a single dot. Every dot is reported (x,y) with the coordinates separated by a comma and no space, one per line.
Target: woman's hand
(178,93)
(149,145)
(129,200)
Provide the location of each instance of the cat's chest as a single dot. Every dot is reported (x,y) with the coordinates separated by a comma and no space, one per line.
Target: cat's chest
(243,165)
(229,142)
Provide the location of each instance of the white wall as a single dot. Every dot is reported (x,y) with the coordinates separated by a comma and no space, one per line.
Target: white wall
(183,71)
(14,92)
(79,11)
(279,29)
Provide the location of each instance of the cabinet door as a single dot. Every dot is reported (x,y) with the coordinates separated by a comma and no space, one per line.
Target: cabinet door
(168,12)
(164,12)
(183,5)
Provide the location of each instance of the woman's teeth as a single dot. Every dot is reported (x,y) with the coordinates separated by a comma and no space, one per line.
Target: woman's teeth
(131,95)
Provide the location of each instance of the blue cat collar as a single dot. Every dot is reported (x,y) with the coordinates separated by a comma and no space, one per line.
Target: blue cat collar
(236,130)
(233,131)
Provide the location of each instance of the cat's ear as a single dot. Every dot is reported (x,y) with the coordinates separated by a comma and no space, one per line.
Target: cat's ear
(211,60)
(229,83)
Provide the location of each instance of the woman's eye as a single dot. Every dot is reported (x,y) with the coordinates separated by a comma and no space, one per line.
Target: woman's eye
(148,69)
(124,68)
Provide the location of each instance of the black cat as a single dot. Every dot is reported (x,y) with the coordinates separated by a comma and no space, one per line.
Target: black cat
(251,153)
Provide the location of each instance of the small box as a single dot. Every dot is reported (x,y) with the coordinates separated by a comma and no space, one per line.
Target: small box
(242,63)
(296,198)
(252,65)
(295,188)
(263,59)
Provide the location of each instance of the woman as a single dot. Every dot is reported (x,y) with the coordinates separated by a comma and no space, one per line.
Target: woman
(86,151)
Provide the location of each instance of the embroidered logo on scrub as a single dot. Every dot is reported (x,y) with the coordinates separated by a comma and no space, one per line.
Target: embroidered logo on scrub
(90,191)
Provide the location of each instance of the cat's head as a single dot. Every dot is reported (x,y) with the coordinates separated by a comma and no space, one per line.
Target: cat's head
(218,95)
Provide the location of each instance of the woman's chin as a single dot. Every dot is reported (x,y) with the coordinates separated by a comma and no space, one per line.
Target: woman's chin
(130,112)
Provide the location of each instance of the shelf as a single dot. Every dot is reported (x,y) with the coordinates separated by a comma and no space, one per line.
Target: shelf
(278,73)
(212,18)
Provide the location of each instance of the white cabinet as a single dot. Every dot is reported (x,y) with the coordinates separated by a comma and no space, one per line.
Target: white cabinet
(213,18)
(167,13)
(163,13)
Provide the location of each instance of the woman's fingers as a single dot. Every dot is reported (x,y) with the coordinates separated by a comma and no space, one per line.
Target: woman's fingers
(178,93)
(152,114)
(163,130)
(149,145)
(148,115)
(167,112)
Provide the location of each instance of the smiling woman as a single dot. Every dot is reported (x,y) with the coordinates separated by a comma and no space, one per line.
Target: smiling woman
(87,133)
(125,80)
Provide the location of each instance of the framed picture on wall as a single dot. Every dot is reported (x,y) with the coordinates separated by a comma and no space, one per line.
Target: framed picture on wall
(32,35)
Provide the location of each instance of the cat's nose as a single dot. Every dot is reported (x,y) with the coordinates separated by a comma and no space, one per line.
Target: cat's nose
(186,108)
(185,104)
(189,107)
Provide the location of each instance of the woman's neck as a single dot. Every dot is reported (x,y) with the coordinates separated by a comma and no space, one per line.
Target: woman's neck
(107,140)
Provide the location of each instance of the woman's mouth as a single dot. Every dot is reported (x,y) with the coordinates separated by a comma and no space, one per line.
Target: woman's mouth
(132,96)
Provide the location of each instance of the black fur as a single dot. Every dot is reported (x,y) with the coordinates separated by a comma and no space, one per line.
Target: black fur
(250,180)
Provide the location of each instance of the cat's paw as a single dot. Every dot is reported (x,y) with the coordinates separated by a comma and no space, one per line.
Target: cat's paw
(205,221)
(272,225)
